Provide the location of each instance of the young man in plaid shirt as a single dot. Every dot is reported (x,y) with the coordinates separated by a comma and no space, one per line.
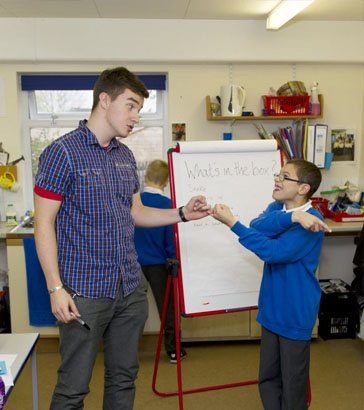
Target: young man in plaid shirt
(86,206)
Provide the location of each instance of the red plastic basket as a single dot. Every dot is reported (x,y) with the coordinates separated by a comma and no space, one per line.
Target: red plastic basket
(288,105)
(344,217)
(321,205)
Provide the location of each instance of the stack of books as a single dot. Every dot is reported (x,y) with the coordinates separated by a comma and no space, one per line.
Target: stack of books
(300,141)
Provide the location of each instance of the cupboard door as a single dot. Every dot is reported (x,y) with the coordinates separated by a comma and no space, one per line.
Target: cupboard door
(255,327)
(226,326)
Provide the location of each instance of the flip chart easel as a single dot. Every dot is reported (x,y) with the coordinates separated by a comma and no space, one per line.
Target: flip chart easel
(240,174)
(173,268)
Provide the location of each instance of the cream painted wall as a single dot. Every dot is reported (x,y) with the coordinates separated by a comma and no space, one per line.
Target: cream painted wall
(361,173)
(105,40)
(188,84)
(196,56)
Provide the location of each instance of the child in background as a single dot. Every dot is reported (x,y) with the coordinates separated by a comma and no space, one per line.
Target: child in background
(290,292)
(154,246)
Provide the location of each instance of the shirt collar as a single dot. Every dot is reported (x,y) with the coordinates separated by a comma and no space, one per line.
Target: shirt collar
(91,137)
(305,207)
(151,190)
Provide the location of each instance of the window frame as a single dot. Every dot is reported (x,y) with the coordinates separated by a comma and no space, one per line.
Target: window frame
(160,118)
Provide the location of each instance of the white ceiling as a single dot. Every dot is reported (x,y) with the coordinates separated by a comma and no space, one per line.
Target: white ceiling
(344,10)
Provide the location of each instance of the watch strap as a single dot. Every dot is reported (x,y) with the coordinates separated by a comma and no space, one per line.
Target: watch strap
(181,214)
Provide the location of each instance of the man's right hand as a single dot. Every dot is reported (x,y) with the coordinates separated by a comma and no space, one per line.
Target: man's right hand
(62,304)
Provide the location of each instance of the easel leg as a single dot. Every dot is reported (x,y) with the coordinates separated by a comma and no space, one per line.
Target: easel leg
(176,328)
(172,267)
(163,320)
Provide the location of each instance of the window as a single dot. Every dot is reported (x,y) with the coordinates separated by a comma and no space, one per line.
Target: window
(52,112)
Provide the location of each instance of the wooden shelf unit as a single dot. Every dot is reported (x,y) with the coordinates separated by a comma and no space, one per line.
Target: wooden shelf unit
(210,117)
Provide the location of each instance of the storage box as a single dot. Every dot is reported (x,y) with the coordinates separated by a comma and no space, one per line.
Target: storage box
(344,217)
(321,205)
(339,311)
(285,105)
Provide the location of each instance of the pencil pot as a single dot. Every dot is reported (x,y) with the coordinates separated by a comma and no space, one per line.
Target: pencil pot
(285,105)
(339,311)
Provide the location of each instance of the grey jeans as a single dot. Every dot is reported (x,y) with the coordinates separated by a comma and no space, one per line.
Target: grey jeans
(283,372)
(120,323)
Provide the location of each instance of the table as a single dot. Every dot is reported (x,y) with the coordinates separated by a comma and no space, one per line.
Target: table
(23,345)
(343,228)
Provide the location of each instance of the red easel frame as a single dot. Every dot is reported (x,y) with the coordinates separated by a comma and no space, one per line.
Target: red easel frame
(173,269)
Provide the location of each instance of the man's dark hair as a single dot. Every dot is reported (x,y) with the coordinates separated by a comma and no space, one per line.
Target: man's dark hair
(115,81)
(308,173)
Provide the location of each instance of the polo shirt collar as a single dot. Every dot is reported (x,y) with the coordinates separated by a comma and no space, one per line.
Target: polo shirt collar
(152,190)
(305,207)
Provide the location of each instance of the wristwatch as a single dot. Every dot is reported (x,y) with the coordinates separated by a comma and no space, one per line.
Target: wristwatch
(182,215)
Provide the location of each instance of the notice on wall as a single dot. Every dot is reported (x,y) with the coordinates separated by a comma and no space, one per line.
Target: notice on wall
(2,98)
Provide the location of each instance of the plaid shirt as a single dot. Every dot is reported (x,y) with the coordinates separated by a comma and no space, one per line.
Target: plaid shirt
(94,226)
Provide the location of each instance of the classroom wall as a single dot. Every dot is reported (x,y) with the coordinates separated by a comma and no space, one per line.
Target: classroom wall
(199,57)
(130,40)
(188,84)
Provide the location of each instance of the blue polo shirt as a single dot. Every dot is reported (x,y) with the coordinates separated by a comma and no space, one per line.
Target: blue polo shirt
(154,245)
(94,226)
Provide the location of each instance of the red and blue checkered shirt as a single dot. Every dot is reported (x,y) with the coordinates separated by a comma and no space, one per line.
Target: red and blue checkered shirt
(94,226)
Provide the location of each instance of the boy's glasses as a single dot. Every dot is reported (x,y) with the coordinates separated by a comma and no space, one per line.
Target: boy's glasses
(282,178)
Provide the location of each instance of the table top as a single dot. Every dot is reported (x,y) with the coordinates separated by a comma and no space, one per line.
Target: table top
(4,229)
(343,228)
(21,344)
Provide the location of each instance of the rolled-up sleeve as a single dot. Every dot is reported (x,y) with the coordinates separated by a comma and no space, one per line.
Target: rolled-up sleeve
(54,173)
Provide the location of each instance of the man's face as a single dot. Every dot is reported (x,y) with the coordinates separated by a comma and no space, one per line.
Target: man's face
(123,113)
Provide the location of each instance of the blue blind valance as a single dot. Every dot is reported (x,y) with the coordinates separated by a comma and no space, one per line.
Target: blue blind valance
(80,82)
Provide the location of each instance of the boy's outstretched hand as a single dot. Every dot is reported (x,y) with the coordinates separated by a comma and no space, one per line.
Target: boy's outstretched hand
(309,222)
(223,214)
(197,208)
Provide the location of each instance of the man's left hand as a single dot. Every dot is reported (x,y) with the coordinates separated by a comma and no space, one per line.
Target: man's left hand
(196,208)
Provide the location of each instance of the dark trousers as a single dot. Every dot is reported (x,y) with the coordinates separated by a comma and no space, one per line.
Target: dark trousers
(283,372)
(120,323)
(157,276)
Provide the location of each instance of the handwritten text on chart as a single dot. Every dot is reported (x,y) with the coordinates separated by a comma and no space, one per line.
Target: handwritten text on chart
(238,168)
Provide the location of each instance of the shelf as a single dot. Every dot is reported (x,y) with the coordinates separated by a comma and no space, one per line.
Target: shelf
(210,117)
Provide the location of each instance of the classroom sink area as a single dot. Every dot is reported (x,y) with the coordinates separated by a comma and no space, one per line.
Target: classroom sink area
(25,229)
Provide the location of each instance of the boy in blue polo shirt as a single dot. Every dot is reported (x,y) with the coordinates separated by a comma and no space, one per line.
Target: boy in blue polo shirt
(154,246)
(290,292)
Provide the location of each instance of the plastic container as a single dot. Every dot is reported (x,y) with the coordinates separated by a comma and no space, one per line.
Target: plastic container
(10,215)
(339,311)
(285,105)
(315,103)
(321,205)
(2,393)
(344,217)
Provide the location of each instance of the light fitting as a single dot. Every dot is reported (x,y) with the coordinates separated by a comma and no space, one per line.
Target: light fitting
(284,11)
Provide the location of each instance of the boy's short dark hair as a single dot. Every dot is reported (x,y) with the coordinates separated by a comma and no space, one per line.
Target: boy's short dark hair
(308,173)
(157,172)
(115,81)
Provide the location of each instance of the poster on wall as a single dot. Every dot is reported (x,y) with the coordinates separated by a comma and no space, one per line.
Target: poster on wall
(178,132)
(343,144)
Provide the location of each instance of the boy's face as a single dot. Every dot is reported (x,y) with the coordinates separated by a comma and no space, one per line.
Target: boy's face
(291,193)
(122,114)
